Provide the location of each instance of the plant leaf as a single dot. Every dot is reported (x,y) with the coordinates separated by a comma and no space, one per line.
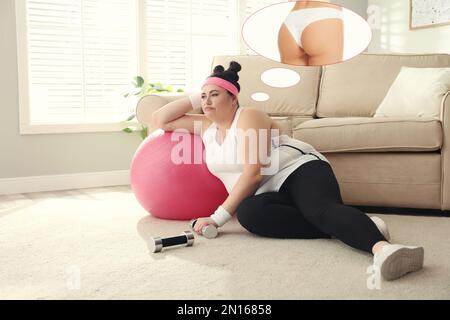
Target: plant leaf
(131,117)
(144,133)
(139,81)
(127,130)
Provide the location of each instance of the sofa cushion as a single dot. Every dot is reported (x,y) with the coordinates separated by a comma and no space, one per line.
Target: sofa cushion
(416,92)
(299,99)
(389,179)
(371,134)
(356,87)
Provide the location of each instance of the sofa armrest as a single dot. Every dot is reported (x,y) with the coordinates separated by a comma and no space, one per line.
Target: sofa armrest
(445,153)
(152,102)
(285,124)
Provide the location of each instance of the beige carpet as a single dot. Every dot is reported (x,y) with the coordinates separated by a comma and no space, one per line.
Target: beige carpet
(88,244)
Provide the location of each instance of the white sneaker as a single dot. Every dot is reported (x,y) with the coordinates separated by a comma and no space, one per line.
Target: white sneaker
(382,227)
(396,260)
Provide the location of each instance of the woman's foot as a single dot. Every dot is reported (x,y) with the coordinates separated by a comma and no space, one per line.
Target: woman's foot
(396,260)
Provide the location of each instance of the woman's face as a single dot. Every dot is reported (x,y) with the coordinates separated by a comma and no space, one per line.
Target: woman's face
(217,104)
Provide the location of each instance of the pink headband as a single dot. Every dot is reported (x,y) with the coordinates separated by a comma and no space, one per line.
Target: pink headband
(222,83)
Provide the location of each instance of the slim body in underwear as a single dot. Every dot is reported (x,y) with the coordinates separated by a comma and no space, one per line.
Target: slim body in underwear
(312,34)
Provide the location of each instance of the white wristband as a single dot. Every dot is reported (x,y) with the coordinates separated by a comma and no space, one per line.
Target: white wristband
(221,216)
(196,100)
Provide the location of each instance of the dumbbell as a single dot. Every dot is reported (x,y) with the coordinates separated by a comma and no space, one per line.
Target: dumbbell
(209,231)
(156,244)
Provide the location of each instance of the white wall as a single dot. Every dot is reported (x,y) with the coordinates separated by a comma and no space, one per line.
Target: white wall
(394,34)
(357,6)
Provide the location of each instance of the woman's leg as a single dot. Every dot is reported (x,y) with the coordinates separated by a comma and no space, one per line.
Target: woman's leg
(272,214)
(314,190)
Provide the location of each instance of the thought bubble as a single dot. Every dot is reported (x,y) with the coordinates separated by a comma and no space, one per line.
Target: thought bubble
(280,77)
(280,33)
(260,96)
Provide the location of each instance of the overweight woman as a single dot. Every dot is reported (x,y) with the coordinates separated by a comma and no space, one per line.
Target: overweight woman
(278,186)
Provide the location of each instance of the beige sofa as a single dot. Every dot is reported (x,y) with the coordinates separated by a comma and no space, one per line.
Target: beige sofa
(379,162)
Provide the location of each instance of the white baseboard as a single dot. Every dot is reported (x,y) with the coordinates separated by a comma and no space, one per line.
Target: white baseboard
(64,182)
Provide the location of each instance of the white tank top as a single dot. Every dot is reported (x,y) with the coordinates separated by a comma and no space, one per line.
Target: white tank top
(225,161)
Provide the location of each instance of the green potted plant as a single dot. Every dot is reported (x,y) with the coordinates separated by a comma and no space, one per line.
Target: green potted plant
(140,89)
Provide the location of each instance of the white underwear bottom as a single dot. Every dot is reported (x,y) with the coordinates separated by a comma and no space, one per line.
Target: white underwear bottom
(298,20)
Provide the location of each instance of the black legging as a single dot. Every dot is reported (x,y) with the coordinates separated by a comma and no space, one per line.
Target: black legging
(308,206)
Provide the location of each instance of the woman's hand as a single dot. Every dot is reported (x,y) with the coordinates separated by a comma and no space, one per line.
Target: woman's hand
(203,222)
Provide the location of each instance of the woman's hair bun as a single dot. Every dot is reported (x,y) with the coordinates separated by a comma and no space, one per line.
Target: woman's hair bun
(218,69)
(231,74)
(234,67)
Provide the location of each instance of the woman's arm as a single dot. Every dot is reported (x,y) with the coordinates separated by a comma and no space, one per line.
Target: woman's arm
(173,116)
(171,111)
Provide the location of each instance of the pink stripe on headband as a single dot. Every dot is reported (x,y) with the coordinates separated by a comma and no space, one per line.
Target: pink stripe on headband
(222,83)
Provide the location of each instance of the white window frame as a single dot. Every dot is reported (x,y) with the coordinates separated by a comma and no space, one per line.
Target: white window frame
(25,125)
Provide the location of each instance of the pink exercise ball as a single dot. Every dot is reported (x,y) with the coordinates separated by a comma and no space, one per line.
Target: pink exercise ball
(170,179)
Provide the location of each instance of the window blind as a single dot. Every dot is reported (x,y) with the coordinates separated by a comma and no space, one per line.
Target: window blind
(82,54)
(182,36)
(81,58)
